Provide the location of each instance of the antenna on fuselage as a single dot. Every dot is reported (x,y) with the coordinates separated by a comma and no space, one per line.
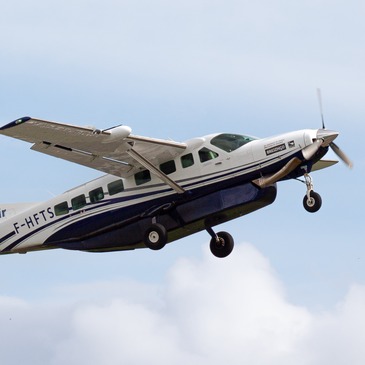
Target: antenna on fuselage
(319,96)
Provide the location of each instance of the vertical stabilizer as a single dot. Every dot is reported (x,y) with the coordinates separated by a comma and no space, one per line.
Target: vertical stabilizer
(10,210)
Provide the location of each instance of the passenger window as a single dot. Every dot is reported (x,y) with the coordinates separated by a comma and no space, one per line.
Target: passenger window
(115,187)
(168,167)
(78,202)
(96,195)
(205,154)
(187,160)
(142,177)
(61,209)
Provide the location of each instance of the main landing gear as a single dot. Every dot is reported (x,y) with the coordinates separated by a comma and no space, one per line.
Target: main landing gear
(312,201)
(155,237)
(221,244)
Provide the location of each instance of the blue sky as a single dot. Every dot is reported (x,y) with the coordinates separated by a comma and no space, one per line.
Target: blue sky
(293,290)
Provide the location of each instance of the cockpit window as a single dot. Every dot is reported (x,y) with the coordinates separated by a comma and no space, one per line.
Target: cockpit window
(230,142)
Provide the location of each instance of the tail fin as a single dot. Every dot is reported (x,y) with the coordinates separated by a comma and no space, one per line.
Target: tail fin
(10,210)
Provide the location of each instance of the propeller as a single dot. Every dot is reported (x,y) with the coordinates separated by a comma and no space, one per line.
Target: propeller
(335,148)
(319,95)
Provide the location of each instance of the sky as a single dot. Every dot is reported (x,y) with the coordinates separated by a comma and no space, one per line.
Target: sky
(293,289)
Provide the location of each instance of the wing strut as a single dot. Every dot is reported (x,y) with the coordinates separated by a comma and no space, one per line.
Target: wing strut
(149,166)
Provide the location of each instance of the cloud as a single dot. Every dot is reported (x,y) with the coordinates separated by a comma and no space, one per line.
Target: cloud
(208,311)
(337,336)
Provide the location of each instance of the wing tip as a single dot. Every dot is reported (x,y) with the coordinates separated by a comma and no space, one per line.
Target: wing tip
(15,123)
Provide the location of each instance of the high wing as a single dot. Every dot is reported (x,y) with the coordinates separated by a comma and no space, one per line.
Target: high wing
(114,151)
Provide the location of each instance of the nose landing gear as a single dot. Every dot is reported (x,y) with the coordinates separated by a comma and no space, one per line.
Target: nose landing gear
(312,201)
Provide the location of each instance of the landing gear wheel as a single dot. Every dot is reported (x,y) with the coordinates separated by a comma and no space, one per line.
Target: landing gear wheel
(155,237)
(221,245)
(312,204)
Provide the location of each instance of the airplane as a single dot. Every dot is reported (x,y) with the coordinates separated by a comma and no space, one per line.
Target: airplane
(156,191)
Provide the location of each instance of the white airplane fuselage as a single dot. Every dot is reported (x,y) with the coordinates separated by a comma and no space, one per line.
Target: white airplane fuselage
(112,213)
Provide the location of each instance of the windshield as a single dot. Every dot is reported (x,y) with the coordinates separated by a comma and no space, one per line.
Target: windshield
(230,142)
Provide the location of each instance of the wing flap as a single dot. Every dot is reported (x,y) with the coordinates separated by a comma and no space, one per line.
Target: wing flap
(104,164)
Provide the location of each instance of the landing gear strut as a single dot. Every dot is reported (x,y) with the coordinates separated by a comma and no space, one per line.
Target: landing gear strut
(312,201)
(221,244)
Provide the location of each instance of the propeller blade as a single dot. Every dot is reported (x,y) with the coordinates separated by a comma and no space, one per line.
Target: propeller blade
(309,151)
(337,150)
(319,95)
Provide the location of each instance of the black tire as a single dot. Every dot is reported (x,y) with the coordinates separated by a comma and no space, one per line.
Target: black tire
(155,237)
(313,204)
(224,246)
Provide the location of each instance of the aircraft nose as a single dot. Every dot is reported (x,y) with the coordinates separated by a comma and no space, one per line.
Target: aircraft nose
(327,136)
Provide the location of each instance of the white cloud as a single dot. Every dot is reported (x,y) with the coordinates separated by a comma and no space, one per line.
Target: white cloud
(337,337)
(209,311)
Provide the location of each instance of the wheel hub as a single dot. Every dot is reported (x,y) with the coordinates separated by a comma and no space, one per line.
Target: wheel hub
(154,237)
